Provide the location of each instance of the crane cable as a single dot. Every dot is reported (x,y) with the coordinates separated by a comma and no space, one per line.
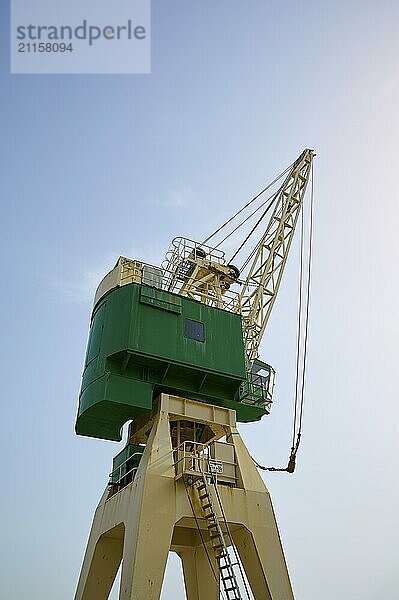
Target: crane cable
(236,555)
(301,360)
(215,574)
(268,207)
(272,199)
(246,206)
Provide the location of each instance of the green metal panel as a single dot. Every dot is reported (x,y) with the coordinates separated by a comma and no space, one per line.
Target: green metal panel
(110,401)
(121,464)
(138,347)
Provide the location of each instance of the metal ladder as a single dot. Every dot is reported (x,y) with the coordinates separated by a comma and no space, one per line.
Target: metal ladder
(222,555)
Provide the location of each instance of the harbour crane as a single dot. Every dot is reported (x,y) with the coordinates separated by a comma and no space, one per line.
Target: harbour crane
(175,350)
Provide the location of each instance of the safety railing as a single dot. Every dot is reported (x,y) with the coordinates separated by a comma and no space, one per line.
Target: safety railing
(180,263)
(208,286)
(125,472)
(257,389)
(196,459)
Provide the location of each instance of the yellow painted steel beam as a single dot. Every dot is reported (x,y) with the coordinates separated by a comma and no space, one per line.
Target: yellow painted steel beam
(261,286)
(153,515)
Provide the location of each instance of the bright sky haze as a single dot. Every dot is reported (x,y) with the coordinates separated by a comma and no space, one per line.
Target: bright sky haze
(93,167)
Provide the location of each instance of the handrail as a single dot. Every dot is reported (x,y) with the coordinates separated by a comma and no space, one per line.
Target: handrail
(128,271)
(202,457)
(119,467)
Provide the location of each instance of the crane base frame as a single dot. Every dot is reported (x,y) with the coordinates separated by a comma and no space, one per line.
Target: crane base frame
(153,515)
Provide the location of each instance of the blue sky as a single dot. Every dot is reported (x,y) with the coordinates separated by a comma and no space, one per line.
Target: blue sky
(97,166)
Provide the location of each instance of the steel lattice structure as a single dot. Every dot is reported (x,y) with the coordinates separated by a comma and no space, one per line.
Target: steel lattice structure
(261,286)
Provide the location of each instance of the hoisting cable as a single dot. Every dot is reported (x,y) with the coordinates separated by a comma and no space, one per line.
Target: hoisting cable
(237,558)
(249,203)
(273,199)
(299,338)
(249,258)
(309,276)
(216,575)
(300,365)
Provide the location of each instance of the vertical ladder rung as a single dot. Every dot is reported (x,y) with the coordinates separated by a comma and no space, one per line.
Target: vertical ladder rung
(216,535)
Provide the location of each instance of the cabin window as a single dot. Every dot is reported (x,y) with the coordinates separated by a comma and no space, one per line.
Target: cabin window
(194,330)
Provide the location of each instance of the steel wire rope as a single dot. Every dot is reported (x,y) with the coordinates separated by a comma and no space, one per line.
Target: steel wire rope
(273,198)
(299,406)
(299,337)
(216,576)
(248,203)
(249,258)
(309,277)
(242,572)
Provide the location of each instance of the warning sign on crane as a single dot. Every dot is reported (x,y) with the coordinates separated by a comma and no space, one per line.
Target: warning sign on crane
(215,466)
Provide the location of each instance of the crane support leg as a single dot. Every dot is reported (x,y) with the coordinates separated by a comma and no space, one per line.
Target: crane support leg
(101,563)
(257,541)
(162,510)
(146,511)
(199,578)
(251,562)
